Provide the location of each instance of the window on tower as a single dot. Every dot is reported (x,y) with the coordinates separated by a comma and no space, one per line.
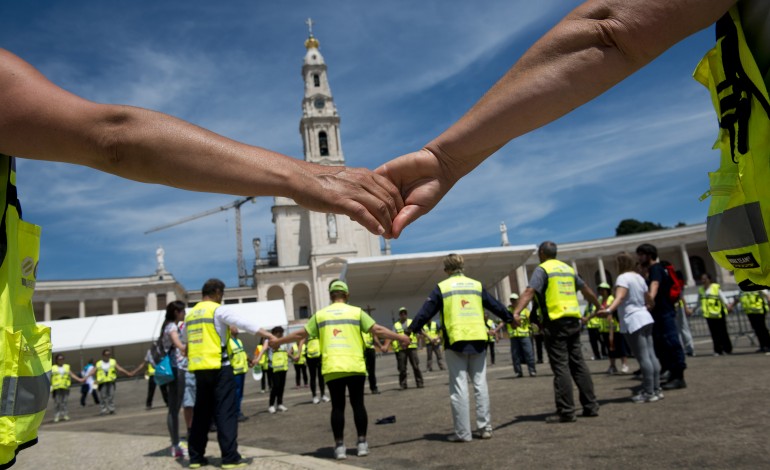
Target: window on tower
(316,80)
(323,144)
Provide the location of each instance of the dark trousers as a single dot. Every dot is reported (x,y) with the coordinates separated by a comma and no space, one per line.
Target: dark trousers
(719,335)
(668,347)
(538,347)
(562,341)
(354,385)
(84,394)
(491,347)
(620,348)
(300,372)
(279,384)
(215,400)
(267,379)
(402,356)
(314,367)
(758,323)
(597,343)
(151,392)
(240,382)
(370,356)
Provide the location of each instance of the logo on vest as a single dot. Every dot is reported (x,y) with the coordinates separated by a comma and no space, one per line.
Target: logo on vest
(464,302)
(335,332)
(743,261)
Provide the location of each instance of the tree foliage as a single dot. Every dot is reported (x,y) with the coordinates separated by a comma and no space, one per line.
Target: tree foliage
(629,226)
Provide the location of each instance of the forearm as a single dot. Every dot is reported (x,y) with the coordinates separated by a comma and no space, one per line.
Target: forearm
(593,48)
(380,330)
(524,300)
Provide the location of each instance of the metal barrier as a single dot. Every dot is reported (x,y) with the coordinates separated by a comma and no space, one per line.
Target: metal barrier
(738,325)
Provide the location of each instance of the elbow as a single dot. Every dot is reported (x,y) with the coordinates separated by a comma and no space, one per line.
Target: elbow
(112,132)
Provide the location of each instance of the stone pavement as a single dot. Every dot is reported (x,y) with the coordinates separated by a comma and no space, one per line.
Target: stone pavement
(720,420)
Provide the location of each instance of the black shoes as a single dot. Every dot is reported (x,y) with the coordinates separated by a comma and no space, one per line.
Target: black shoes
(674,384)
(590,413)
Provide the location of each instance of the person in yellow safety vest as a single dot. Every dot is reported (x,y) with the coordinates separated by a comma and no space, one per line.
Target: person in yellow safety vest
(409,353)
(554,287)
(521,340)
(45,122)
(210,358)
(338,328)
(461,301)
(240,362)
(755,306)
(593,325)
(297,355)
(279,364)
(491,338)
(609,329)
(261,360)
(370,357)
(61,378)
(714,308)
(106,373)
(314,363)
(433,344)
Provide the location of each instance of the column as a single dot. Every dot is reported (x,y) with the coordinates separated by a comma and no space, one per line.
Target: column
(151,302)
(81,308)
(288,300)
(115,307)
(602,274)
(521,278)
(170,296)
(504,290)
(574,266)
(47,311)
(686,265)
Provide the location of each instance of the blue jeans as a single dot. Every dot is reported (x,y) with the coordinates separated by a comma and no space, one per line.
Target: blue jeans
(668,348)
(521,351)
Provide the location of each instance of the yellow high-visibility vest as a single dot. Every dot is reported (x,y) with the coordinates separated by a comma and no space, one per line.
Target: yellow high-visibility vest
(463,315)
(204,345)
(521,331)
(339,331)
(280,360)
(490,324)
(25,363)
(560,293)
(238,357)
(710,302)
(399,328)
(604,324)
(313,348)
(430,330)
(753,303)
(294,349)
(60,377)
(737,226)
(368,340)
(111,375)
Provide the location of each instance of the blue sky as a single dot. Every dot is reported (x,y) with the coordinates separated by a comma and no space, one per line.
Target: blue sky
(401,72)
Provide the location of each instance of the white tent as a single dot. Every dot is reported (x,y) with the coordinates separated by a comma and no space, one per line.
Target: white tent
(139,330)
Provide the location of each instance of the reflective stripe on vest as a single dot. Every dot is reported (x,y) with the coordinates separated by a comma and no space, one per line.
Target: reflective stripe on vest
(710,303)
(313,348)
(463,315)
(753,303)
(399,328)
(60,377)
(736,228)
(368,340)
(490,324)
(239,360)
(521,331)
(560,293)
(25,363)
(204,345)
(430,329)
(110,376)
(339,331)
(301,359)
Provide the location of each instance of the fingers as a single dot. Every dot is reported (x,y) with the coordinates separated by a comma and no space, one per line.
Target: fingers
(406,216)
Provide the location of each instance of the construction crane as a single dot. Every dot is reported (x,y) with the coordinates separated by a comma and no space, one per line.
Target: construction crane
(242,277)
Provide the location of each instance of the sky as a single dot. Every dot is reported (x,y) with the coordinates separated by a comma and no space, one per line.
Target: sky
(401,72)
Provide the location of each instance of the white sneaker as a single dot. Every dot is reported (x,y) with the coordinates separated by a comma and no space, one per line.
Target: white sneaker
(282,408)
(624,369)
(316,400)
(643,397)
(362,449)
(340,453)
(325,399)
(271,410)
(659,394)
(56,419)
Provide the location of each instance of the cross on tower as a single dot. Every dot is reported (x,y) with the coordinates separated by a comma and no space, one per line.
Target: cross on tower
(309,24)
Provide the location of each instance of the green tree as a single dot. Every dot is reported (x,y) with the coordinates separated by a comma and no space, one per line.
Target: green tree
(629,226)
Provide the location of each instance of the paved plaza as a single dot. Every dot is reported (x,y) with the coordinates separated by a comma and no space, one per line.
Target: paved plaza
(719,421)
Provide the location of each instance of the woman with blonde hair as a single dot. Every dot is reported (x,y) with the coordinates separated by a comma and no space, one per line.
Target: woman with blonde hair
(631,300)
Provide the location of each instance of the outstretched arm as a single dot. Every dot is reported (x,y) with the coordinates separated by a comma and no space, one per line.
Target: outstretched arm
(593,48)
(41,121)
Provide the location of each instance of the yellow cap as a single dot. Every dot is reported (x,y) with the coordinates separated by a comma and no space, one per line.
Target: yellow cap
(338,286)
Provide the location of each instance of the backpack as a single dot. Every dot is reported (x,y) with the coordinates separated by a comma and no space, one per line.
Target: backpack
(156,353)
(677,285)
